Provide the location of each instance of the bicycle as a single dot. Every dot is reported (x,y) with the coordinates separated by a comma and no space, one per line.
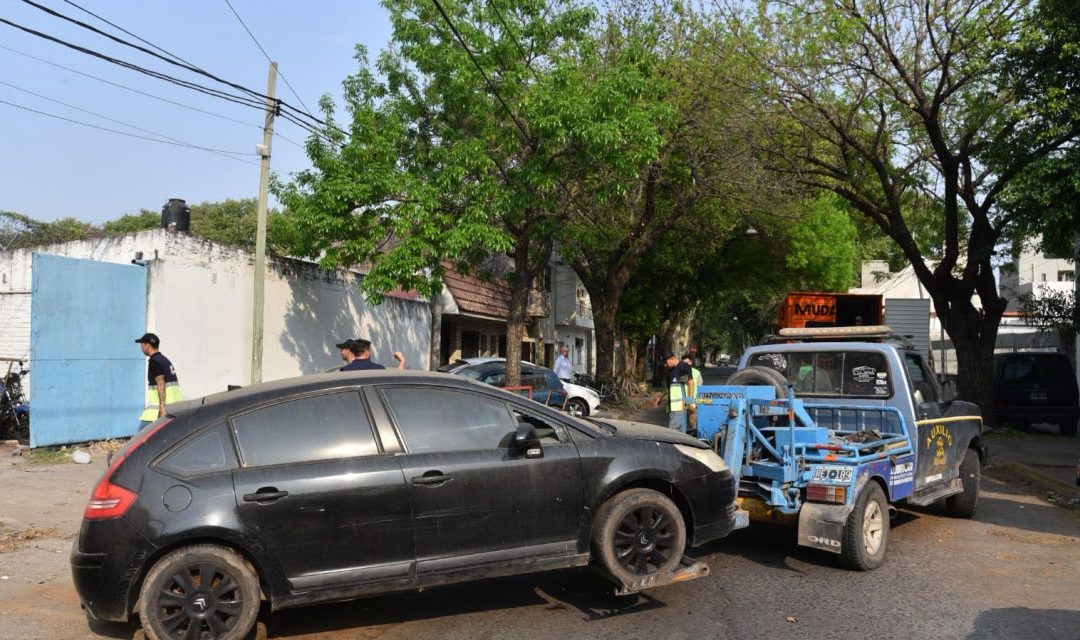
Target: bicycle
(14,410)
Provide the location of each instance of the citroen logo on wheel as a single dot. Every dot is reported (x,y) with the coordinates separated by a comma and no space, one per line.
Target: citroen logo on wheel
(199,603)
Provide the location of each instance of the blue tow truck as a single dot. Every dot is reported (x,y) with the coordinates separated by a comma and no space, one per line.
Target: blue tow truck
(836,427)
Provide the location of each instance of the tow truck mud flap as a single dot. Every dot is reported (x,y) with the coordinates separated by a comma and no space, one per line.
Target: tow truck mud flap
(689,569)
(821,526)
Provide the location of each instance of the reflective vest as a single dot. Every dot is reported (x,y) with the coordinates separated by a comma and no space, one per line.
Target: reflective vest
(675,396)
(172,394)
(692,385)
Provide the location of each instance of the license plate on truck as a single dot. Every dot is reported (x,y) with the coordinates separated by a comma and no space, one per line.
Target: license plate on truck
(832,473)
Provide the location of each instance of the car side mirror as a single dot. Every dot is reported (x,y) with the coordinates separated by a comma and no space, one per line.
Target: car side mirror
(527,440)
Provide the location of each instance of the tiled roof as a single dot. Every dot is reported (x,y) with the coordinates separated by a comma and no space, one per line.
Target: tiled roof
(491,298)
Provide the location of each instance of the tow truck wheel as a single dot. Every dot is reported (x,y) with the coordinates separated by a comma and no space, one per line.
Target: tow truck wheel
(962,505)
(866,533)
(639,533)
(763,376)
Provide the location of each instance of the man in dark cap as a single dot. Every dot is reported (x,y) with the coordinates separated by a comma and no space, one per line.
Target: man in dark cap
(163,387)
(357,356)
(677,376)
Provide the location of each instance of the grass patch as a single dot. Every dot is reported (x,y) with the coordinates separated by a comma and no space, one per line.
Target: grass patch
(48,455)
(1009,431)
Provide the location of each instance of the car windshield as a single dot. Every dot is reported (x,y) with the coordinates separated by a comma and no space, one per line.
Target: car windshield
(470,373)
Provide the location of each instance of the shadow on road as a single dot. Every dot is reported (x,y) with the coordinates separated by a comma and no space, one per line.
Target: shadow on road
(579,589)
(1015,622)
(773,545)
(1011,506)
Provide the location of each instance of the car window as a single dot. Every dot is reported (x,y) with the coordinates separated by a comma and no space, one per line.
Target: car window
(496,379)
(866,374)
(208,452)
(322,427)
(547,430)
(444,420)
(534,378)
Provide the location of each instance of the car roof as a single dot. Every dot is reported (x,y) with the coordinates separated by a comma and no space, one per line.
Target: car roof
(229,401)
(882,347)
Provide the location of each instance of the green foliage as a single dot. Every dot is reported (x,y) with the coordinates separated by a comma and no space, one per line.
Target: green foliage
(132,222)
(822,247)
(18,231)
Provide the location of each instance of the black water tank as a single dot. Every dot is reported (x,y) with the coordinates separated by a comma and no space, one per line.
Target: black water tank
(175,215)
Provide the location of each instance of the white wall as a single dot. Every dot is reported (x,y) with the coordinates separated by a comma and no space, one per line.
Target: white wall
(199,297)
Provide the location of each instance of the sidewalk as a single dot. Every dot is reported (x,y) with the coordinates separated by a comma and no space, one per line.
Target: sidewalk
(1043,460)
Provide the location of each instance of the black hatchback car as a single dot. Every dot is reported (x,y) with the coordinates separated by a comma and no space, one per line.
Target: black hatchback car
(337,486)
(1032,386)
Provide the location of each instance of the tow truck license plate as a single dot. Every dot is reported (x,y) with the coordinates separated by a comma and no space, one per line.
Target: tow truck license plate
(832,473)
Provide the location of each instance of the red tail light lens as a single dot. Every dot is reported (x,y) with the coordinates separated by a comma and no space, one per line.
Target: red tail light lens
(109,500)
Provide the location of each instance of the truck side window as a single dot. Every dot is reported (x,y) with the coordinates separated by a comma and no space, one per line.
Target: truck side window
(922,385)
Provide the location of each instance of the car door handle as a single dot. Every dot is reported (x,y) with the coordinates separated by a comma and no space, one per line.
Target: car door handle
(265,495)
(431,478)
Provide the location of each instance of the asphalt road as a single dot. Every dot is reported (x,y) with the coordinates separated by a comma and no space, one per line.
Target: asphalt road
(1012,573)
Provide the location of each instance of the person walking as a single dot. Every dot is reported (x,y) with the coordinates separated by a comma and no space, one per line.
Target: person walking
(357,356)
(162,385)
(564,370)
(693,384)
(676,378)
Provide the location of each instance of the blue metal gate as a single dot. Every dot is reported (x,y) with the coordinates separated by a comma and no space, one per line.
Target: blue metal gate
(87,374)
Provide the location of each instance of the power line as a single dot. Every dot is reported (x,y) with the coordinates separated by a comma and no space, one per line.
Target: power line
(514,39)
(183,65)
(476,64)
(123,133)
(118,27)
(267,56)
(147,94)
(242,100)
(221,152)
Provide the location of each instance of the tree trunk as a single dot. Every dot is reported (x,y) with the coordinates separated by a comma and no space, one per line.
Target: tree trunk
(515,329)
(604,321)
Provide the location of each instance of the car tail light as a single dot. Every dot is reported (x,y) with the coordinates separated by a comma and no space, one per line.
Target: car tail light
(825,493)
(109,500)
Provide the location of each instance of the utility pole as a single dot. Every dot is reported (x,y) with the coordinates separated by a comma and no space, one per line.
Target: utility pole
(260,233)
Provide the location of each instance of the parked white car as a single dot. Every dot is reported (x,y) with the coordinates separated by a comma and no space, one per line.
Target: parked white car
(581,401)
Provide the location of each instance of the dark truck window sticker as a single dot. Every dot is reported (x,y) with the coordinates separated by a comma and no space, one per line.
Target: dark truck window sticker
(859,374)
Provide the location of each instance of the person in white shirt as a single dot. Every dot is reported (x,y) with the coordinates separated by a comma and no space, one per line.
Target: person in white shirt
(563,369)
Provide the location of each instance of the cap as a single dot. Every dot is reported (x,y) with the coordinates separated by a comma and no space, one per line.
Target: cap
(357,346)
(150,339)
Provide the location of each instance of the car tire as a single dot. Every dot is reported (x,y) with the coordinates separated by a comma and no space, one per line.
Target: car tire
(962,505)
(577,408)
(1067,427)
(172,598)
(639,533)
(760,376)
(866,532)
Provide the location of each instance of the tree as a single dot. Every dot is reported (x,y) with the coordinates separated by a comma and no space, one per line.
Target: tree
(18,231)
(918,108)
(472,141)
(696,171)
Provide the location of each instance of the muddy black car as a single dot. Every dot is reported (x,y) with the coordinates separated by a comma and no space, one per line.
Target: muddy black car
(337,486)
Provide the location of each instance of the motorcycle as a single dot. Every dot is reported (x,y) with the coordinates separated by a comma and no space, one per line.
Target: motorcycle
(14,410)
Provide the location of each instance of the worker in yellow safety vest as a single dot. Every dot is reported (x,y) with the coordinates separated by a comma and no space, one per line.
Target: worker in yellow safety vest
(693,384)
(162,385)
(678,375)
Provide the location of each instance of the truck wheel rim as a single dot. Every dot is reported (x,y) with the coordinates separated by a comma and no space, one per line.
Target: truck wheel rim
(873,527)
(644,540)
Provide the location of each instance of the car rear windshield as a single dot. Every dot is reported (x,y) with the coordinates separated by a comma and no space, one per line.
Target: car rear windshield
(859,374)
(1030,369)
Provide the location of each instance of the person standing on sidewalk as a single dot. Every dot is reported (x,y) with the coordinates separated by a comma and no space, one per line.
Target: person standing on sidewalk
(563,369)
(692,386)
(677,376)
(357,356)
(162,385)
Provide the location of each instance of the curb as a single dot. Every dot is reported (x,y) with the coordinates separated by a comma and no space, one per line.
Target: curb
(1053,490)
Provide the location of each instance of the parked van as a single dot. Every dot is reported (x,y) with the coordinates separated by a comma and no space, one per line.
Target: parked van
(1032,386)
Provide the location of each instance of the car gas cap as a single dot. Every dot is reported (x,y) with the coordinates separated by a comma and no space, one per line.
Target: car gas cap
(177,498)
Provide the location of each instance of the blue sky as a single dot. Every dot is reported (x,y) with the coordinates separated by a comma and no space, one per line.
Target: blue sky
(51,169)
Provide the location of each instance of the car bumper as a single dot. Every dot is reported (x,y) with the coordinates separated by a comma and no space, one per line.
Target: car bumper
(712,502)
(103,580)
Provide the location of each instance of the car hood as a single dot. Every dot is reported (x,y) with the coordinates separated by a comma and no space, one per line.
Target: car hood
(644,431)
